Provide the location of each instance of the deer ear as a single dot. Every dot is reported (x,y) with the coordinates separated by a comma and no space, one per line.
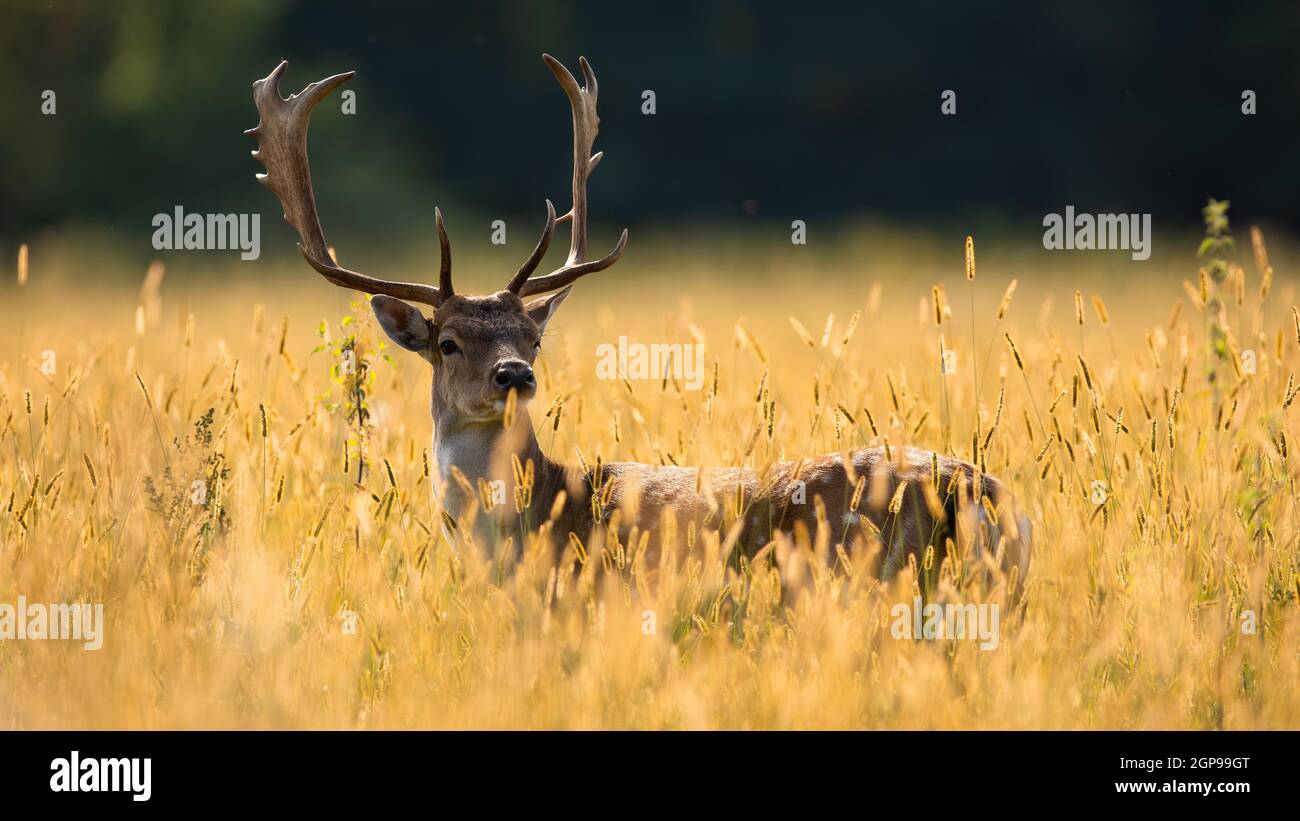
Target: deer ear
(541,310)
(403,323)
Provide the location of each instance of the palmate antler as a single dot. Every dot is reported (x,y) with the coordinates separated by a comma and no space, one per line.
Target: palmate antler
(281,136)
(585,126)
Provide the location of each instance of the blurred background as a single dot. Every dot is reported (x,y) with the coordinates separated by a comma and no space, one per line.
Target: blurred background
(764,113)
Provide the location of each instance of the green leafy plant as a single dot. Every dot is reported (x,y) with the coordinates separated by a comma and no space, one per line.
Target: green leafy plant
(354,355)
(1215,247)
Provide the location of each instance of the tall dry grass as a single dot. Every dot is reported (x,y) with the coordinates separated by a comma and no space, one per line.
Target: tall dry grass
(231,612)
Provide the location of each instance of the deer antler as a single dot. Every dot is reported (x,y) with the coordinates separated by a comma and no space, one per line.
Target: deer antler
(585,126)
(281,136)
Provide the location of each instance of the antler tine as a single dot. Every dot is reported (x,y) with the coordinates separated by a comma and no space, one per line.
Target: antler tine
(568,273)
(444,250)
(530,264)
(585,126)
(281,135)
(589,79)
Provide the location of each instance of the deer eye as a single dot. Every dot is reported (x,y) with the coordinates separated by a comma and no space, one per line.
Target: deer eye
(447,347)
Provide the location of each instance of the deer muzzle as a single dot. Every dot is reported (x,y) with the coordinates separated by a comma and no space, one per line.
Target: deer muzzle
(516,374)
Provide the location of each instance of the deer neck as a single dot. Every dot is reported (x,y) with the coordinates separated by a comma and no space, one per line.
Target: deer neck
(483,451)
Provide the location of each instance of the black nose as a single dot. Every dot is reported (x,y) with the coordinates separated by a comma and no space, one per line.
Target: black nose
(513,374)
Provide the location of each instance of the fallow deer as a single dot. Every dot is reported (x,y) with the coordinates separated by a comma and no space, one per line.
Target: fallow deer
(482,349)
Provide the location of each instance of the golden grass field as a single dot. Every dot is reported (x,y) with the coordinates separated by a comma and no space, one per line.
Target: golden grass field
(231,613)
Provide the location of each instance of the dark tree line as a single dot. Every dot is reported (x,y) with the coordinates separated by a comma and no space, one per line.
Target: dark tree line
(765,110)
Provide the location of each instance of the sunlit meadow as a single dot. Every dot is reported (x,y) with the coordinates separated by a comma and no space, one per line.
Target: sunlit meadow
(1142,412)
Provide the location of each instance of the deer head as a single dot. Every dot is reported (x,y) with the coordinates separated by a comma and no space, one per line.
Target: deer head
(481,347)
